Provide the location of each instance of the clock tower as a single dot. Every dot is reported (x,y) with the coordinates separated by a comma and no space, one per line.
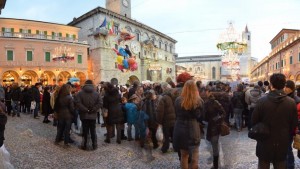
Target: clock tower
(122,7)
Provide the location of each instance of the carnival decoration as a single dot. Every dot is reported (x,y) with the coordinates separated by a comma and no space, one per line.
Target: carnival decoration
(124,36)
(125,60)
(63,54)
(232,46)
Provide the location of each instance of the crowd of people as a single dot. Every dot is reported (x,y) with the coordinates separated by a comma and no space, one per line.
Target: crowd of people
(180,111)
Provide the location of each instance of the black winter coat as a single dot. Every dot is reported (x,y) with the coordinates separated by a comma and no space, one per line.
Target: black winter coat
(35,94)
(165,110)
(186,130)
(16,94)
(238,100)
(88,102)
(65,107)
(279,112)
(46,107)
(214,114)
(149,108)
(112,102)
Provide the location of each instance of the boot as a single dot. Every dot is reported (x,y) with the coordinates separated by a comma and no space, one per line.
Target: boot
(216,162)
(83,144)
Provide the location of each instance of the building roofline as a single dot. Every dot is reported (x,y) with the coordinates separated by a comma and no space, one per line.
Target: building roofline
(281,32)
(116,15)
(200,56)
(40,22)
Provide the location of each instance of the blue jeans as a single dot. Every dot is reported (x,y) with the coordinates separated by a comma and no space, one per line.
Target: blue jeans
(36,110)
(238,117)
(15,107)
(290,160)
(137,133)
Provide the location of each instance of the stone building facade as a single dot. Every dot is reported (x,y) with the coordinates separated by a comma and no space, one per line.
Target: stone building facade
(284,58)
(153,50)
(205,68)
(28,50)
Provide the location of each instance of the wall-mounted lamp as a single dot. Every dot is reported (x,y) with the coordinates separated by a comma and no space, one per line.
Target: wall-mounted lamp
(39,69)
(20,70)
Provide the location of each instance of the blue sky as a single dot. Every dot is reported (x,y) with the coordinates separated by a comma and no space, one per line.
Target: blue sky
(195,24)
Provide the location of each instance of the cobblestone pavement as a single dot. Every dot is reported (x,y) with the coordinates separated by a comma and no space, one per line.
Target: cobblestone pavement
(35,150)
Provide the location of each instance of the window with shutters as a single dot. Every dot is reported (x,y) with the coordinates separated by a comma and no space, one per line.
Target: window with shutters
(47,56)
(29,55)
(291,60)
(213,72)
(74,37)
(10,55)
(79,59)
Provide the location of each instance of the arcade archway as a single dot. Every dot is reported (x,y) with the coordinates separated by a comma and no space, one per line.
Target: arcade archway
(81,76)
(63,77)
(10,77)
(133,79)
(29,77)
(48,78)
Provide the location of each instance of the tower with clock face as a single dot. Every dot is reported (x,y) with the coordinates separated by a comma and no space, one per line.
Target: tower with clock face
(122,7)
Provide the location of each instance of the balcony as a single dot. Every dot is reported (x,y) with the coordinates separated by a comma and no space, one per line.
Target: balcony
(40,36)
(42,64)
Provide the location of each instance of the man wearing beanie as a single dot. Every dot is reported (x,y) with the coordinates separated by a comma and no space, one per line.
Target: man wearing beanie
(88,102)
(289,89)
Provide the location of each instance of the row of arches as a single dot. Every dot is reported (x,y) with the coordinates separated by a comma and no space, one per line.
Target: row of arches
(30,77)
(146,36)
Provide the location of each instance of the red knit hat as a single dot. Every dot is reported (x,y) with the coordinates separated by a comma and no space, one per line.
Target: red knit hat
(183,77)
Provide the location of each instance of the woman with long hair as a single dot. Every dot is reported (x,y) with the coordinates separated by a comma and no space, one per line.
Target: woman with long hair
(186,137)
(64,106)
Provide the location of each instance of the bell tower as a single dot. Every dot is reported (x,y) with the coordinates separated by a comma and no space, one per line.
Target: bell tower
(122,7)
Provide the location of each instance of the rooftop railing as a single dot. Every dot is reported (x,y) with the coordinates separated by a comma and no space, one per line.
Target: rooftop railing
(40,36)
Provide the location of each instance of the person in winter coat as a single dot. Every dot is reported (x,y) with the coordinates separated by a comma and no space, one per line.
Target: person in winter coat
(149,109)
(130,109)
(64,106)
(2,94)
(3,120)
(8,100)
(15,98)
(46,108)
(35,94)
(133,89)
(186,136)
(289,89)
(279,113)
(165,115)
(88,102)
(53,97)
(214,114)
(238,106)
(112,102)
(27,100)
(251,98)
(225,100)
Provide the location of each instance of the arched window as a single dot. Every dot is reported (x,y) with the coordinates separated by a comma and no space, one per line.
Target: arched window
(213,73)
(137,35)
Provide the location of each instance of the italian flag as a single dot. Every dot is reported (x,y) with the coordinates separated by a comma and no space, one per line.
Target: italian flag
(110,27)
